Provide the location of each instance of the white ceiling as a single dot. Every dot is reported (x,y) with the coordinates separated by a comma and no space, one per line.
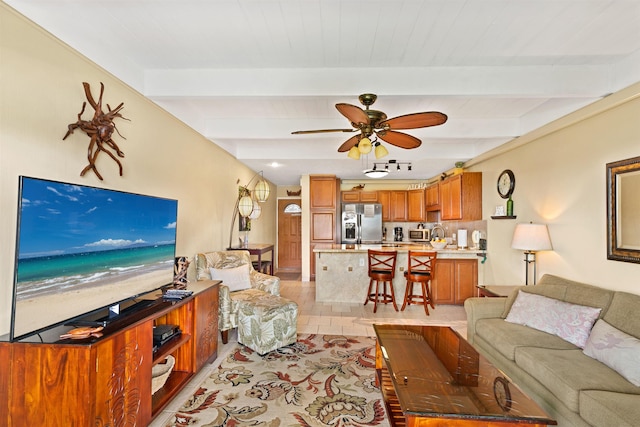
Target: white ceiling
(246,73)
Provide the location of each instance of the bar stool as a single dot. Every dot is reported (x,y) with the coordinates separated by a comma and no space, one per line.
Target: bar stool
(420,269)
(382,268)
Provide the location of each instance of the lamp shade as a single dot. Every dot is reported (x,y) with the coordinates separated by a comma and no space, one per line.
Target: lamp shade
(261,191)
(354,153)
(531,237)
(364,146)
(380,151)
(257,210)
(245,206)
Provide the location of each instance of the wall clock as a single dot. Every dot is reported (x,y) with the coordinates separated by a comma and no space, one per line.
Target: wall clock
(502,393)
(506,183)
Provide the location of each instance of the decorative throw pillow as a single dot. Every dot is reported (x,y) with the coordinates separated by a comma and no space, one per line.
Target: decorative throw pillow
(617,350)
(236,279)
(570,322)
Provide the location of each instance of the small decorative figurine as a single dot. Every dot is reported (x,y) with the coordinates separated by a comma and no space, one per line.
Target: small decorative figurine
(180,272)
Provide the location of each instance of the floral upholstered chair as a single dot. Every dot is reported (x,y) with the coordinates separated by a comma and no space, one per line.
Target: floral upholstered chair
(241,284)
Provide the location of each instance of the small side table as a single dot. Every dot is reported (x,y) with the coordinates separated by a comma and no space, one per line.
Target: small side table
(493,291)
(258,249)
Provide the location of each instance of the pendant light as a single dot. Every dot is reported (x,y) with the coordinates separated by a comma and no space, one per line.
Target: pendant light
(257,210)
(261,191)
(245,206)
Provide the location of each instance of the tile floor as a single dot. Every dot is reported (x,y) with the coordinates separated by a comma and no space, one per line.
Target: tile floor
(330,318)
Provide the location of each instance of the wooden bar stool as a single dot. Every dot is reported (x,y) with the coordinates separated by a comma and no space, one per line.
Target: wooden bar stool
(382,268)
(420,269)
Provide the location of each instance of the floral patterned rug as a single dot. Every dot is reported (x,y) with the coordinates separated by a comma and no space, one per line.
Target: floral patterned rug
(321,380)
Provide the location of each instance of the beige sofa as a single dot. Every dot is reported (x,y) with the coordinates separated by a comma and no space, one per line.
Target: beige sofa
(575,389)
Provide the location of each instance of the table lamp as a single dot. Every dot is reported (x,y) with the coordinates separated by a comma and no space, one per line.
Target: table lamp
(531,238)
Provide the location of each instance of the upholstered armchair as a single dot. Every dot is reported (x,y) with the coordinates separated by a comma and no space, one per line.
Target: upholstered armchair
(240,283)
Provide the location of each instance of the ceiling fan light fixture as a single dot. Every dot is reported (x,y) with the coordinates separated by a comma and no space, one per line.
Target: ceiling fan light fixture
(373,173)
(354,153)
(380,151)
(364,146)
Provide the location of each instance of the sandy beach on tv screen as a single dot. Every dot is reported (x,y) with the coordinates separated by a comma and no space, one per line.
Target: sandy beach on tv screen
(38,312)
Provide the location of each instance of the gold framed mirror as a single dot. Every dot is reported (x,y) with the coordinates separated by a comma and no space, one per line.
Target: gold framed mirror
(623,210)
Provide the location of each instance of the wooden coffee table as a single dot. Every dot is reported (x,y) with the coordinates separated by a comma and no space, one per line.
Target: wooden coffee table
(431,376)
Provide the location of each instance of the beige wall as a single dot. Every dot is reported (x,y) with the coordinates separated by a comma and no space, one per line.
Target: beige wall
(560,181)
(41,93)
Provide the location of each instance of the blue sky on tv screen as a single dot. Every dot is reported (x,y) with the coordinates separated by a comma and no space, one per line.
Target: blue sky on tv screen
(58,218)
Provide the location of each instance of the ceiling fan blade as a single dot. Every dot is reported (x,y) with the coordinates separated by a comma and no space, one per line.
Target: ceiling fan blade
(399,139)
(415,120)
(346,146)
(301,132)
(356,115)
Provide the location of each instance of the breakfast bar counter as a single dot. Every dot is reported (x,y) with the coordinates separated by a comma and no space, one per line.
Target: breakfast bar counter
(342,276)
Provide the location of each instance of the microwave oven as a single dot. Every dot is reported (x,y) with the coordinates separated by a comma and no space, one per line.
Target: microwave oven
(420,234)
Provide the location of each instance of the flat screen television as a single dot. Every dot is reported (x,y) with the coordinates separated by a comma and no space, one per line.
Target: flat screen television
(81,249)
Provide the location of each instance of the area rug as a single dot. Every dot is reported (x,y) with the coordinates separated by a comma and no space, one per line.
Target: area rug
(321,380)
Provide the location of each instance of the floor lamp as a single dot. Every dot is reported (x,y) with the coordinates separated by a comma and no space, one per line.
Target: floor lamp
(531,238)
(245,202)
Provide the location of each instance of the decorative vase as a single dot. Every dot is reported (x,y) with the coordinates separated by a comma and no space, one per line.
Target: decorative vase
(509,207)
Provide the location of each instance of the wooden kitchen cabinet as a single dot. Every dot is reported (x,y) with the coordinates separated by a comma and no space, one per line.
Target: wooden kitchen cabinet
(461,197)
(394,205)
(356,196)
(398,205)
(432,196)
(324,213)
(323,228)
(416,205)
(323,190)
(107,381)
(384,198)
(455,280)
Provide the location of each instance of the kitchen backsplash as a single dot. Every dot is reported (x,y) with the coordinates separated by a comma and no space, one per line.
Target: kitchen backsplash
(450,228)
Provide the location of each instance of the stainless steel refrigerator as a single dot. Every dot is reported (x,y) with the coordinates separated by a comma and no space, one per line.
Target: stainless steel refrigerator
(361,223)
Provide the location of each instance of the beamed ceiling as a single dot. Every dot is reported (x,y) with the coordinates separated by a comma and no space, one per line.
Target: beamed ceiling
(245,74)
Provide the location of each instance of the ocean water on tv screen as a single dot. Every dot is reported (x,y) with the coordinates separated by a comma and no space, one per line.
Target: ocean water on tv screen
(37,276)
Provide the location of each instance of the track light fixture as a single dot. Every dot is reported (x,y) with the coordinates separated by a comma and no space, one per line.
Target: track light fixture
(380,170)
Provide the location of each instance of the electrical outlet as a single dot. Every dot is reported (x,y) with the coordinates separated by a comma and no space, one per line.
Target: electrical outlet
(361,262)
(349,268)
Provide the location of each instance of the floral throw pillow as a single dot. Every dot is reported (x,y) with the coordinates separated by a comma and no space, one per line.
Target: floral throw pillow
(571,322)
(617,350)
(236,278)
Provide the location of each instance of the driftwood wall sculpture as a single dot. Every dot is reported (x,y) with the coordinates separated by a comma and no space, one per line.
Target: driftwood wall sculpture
(100,129)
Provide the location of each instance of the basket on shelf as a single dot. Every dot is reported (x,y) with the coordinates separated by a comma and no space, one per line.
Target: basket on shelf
(160,372)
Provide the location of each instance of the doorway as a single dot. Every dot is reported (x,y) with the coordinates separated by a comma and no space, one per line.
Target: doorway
(290,235)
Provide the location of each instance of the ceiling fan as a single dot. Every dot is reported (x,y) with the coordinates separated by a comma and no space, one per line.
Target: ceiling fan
(370,122)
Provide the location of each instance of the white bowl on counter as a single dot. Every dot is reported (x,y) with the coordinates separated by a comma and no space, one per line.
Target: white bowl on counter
(439,245)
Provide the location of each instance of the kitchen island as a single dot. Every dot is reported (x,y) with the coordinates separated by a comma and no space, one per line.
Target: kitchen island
(342,276)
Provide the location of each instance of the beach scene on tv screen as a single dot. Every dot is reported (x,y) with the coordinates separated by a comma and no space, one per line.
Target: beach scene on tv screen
(81,248)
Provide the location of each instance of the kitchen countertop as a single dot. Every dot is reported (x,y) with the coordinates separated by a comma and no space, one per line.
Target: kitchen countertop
(392,246)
